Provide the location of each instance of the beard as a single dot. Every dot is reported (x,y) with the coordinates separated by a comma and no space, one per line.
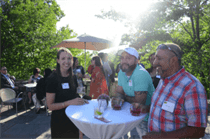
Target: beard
(129,69)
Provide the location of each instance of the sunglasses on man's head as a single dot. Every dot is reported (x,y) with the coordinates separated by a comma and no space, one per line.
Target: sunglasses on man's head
(163,46)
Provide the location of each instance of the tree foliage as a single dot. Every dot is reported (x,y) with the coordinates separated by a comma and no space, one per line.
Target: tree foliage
(28,30)
(184,22)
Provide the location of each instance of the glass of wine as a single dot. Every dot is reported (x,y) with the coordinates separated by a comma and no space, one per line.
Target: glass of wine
(117,103)
(81,91)
(135,109)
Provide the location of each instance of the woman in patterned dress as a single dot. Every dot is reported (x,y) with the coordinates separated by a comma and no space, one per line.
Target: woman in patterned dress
(98,82)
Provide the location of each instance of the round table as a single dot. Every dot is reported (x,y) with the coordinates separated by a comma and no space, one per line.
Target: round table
(30,85)
(121,120)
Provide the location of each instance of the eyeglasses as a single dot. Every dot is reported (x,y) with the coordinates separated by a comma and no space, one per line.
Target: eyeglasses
(4,69)
(163,46)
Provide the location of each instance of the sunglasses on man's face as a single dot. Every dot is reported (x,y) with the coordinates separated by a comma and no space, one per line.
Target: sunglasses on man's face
(4,69)
(163,46)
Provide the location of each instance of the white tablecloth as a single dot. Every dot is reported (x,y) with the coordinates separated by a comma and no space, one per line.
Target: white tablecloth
(121,120)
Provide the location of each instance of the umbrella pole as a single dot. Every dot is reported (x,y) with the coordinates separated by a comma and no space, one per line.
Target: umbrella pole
(85,61)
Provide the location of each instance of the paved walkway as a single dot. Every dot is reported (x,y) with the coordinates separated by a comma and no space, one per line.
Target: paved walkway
(29,125)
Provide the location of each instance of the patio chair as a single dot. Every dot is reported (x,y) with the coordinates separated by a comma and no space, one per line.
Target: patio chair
(8,98)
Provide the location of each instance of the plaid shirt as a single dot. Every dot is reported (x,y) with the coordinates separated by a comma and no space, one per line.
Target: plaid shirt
(189,97)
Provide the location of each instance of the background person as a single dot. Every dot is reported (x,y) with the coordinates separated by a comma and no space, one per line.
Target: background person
(139,61)
(106,67)
(179,103)
(111,78)
(135,85)
(98,82)
(40,90)
(61,92)
(153,72)
(7,81)
(117,68)
(79,72)
(34,78)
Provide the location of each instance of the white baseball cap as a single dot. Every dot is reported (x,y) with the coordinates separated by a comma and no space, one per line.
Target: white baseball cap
(132,51)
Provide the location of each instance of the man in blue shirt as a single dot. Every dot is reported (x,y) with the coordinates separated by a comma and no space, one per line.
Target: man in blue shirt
(135,85)
(6,80)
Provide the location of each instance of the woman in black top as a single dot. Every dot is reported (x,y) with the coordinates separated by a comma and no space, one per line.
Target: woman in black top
(60,93)
(40,90)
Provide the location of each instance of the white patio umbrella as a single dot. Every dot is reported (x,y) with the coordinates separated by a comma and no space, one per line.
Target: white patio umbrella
(85,42)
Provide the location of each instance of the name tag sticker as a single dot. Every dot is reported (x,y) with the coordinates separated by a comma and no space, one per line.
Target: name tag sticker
(65,85)
(130,82)
(168,106)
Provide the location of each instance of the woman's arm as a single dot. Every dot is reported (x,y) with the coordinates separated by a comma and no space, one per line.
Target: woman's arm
(29,81)
(57,106)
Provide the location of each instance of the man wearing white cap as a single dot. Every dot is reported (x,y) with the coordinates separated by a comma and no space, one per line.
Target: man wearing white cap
(135,84)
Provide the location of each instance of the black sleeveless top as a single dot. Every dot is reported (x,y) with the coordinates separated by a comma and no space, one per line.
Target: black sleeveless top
(53,85)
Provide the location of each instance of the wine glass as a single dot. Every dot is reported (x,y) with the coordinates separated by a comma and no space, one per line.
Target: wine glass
(81,91)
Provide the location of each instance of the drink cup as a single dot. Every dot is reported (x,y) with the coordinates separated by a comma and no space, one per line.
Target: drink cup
(98,111)
(135,109)
(117,103)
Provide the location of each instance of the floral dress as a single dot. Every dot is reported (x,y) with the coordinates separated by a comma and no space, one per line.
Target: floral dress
(98,84)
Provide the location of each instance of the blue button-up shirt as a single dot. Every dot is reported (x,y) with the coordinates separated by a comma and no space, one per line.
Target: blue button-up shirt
(9,80)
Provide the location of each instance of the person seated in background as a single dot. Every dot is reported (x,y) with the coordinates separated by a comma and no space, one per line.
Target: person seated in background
(153,72)
(34,78)
(40,91)
(98,84)
(179,106)
(7,81)
(135,85)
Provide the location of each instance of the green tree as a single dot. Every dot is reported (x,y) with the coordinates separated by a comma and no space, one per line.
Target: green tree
(28,30)
(185,22)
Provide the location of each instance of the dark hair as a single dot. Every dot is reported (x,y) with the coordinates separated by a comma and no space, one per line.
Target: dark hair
(98,63)
(36,70)
(71,80)
(101,55)
(74,60)
(47,72)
